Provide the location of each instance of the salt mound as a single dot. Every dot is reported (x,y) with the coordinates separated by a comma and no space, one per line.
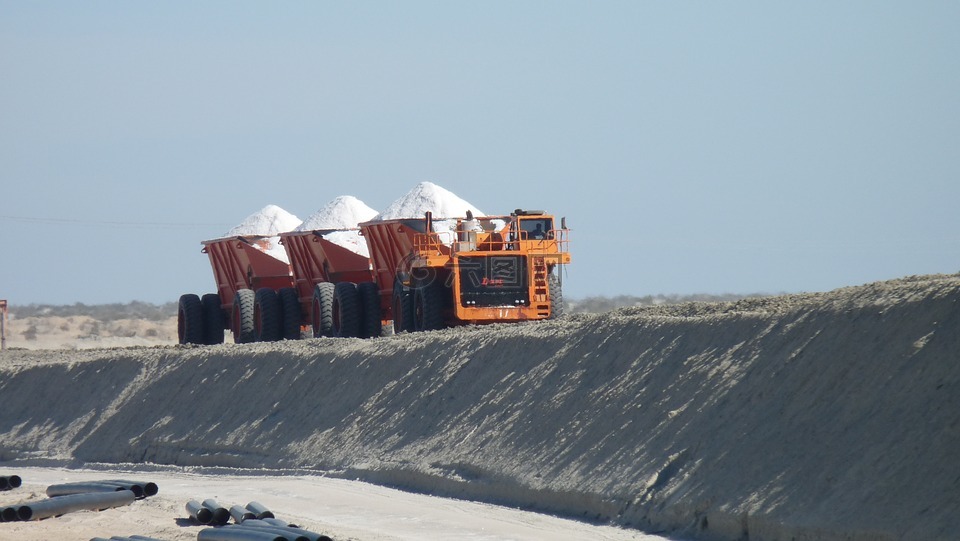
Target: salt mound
(269,221)
(349,239)
(427,196)
(344,212)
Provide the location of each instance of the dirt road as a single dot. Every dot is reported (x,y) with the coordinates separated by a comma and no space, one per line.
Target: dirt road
(342,509)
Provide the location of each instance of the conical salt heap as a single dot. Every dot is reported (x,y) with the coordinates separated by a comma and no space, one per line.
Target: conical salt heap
(343,214)
(269,221)
(427,196)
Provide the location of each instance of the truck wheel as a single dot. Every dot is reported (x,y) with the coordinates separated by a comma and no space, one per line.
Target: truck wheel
(556,297)
(347,310)
(369,293)
(266,316)
(212,319)
(290,311)
(428,307)
(190,320)
(402,307)
(321,312)
(241,317)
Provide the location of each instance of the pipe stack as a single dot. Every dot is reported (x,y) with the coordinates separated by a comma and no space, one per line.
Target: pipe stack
(259,510)
(140,489)
(149,488)
(238,533)
(199,513)
(241,514)
(69,497)
(8,514)
(9,482)
(252,523)
(211,512)
(60,505)
(220,514)
(286,529)
(128,538)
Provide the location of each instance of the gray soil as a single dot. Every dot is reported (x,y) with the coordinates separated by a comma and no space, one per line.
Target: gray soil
(817,416)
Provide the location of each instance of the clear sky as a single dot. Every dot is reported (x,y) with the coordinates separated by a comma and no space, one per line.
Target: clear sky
(715,147)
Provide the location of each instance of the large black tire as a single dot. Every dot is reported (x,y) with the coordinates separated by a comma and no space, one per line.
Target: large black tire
(556,297)
(321,312)
(213,319)
(428,307)
(347,310)
(402,307)
(241,317)
(290,312)
(370,323)
(266,316)
(190,320)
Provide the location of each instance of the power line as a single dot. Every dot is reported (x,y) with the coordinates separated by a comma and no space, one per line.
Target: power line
(107,223)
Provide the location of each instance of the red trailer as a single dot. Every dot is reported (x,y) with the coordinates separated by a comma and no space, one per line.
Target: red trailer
(392,246)
(319,264)
(255,296)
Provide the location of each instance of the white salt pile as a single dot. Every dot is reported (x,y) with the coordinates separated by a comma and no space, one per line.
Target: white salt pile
(269,221)
(427,196)
(445,205)
(349,239)
(342,214)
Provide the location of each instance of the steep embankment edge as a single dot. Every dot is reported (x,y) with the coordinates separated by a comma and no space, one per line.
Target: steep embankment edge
(824,416)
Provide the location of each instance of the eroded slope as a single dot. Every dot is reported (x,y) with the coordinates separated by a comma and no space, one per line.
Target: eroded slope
(821,416)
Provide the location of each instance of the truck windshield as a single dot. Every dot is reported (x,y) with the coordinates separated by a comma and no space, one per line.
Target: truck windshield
(536,229)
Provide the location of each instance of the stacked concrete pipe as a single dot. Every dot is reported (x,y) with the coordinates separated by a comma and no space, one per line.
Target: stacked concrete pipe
(286,529)
(148,488)
(248,526)
(260,510)
(239,533)
(141,489)
(60,505)
(221,515)
(129,538)
(241,514)
(257,515)
(8,482)
(68,489)
(8,514)
(199,513)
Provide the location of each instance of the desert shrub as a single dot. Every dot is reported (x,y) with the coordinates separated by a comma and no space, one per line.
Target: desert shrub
(31,333)
(596,305)
(101,312)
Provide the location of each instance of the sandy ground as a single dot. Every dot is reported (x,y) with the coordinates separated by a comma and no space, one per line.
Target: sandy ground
(342,509)
(84,332)
(825,416)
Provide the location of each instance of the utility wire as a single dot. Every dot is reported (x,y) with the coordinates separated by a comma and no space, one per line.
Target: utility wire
(107,223)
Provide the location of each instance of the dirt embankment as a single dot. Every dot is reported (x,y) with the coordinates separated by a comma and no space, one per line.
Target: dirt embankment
(822,416)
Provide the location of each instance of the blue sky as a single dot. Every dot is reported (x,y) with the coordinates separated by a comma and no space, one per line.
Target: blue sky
(732,147)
